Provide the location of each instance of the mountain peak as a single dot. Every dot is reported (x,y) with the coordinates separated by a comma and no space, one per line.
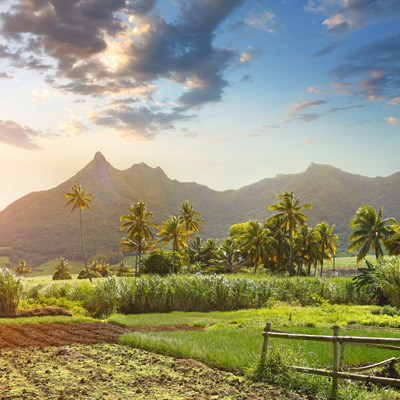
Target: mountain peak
(99,157)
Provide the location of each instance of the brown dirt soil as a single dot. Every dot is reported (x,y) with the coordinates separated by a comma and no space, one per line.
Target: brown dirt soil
(114,372)
(57,334)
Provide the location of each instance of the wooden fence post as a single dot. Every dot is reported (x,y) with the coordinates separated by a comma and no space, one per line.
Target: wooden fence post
(335,362)
(265,344)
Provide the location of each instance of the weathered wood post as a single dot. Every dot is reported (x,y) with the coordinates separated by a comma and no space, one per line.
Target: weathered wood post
(335,363)
(265,344)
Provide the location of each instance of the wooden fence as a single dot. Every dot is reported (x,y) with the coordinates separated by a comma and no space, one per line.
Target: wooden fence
(338,344)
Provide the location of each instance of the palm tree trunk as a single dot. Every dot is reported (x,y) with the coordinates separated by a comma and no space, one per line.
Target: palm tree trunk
(290,250)
(83,245)
(137,255)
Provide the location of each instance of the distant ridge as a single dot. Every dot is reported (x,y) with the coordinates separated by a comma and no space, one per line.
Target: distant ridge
(38,227)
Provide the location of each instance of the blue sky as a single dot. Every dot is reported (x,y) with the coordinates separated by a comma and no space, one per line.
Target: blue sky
(221,92)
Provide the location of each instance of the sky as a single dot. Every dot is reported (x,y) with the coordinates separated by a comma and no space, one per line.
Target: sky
(220,92)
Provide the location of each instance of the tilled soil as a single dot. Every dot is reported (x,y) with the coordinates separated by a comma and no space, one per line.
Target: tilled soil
(116,372)
(57,334)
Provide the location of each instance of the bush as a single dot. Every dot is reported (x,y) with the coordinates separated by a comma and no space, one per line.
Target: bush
(62,271)
(162,262)
(387,277)
(10,293)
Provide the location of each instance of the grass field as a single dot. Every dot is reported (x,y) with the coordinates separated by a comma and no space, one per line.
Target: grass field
(233,340)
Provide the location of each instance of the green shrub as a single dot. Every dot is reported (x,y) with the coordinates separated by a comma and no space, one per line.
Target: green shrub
(387,277)
(62,271)
(10,292)
(162,262)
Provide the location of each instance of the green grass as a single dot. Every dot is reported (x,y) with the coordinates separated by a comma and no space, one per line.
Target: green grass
(282,315)
(47,269)
(233,341)
(226,332)
(349,262)
(4,261)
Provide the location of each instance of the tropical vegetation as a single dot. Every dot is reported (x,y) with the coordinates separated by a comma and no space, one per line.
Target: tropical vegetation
(81,200)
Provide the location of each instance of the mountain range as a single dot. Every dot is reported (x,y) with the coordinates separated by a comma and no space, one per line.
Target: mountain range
(38,227)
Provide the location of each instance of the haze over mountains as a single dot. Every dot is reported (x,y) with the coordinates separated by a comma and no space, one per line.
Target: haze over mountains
(38,227)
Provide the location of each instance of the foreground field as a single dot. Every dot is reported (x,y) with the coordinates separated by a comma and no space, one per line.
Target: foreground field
(110,371)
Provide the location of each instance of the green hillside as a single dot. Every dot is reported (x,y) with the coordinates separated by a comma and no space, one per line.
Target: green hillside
(39,228)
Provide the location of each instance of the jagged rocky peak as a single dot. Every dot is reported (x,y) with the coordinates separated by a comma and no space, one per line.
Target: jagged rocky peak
(101,167)
(99,156)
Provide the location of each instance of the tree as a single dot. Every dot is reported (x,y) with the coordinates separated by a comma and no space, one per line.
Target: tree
(62,270)
(392,243)
(256,243)
(307,241)
(289,211)
(80,200)
(227,258)
(190,218)
(277,231)
(22,268)
(162,262)
(137,225)
(173,230)
(329,241)
(370,230)
(124,269)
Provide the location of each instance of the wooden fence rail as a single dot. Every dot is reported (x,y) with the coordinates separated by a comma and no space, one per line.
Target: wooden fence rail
(338,343)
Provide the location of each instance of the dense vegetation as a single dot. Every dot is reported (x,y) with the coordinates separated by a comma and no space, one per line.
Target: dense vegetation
(37,233)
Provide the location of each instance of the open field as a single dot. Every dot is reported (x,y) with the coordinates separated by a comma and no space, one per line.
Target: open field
(115,372)
(47,269)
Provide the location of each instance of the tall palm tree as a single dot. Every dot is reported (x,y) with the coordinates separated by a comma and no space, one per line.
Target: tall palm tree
(137,225)
(329,242)
(256,243)
(277,231)
(392,243)
(191,218)
(370,231)
(307,242)
(173,230)
(80,200)
(289,211)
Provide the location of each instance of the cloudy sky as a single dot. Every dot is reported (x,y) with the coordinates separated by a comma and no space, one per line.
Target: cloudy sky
(221,92)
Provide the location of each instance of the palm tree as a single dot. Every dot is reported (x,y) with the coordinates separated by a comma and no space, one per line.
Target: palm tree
(173,230)
(227,258)
(22,268)
(392,243)
(190,217)
(307,242)
(370,230)
(209,250)
(256,243)
(80,200)
(137,226)
(62,270)
(277,231)
(329,241)
(289,211)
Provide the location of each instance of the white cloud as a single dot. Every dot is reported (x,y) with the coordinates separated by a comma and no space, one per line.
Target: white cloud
(263,21)
(73,127)
(395,101)
(392,120)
